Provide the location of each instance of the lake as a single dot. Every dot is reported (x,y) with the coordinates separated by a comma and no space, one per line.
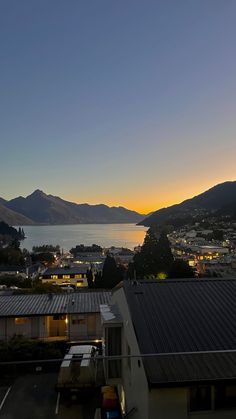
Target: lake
(68,236)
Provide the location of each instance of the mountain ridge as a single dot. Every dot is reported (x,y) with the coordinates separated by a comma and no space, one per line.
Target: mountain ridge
(46,209)
(219,200)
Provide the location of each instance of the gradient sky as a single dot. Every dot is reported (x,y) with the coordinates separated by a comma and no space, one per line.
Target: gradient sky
(123,102)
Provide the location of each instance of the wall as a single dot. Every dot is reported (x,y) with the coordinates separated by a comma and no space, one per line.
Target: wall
(84,326)
(30,327)
(134,380)
(168,403)
(42,327)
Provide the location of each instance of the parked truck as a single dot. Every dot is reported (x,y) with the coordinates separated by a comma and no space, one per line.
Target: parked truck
(78,369)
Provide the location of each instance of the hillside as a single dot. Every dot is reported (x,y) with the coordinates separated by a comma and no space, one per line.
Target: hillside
(40,208)
(219,201)
(12,217)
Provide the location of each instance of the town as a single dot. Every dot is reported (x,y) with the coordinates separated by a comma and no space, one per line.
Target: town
(109,305)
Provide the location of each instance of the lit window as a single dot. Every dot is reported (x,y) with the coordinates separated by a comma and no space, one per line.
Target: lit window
(54,276)
(66,276)
(79,283)
(78,276)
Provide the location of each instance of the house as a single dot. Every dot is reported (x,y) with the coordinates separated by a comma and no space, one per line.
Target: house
(175,342)
(71,317)
(76,276)
(12,271)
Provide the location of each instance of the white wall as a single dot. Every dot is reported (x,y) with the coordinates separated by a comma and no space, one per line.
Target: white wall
(133,379)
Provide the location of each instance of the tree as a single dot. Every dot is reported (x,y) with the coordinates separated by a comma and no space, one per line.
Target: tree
(181,269)
(90,278)
(111,274)
(98,280)
(155,256)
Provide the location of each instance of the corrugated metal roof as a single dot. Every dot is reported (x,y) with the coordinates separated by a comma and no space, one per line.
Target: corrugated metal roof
(182,316)
(191,368)
(35,304)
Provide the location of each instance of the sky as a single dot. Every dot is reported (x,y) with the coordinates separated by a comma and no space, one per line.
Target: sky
(121,102)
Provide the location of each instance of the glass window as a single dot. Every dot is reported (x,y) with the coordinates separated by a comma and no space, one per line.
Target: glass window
(113,342)
(128,359)
(199,398)
(78,319)
(225,396)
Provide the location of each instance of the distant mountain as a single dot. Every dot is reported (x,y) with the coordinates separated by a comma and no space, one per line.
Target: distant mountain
(219,200)
(40,208)
(12,217)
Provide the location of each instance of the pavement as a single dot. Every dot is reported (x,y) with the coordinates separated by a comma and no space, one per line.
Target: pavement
(34,397)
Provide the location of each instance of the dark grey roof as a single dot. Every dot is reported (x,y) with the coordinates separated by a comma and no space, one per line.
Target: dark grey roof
(66,271)
(182,316)
(44,304)
(181,369)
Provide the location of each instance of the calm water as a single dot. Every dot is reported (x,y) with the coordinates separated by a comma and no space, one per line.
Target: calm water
(67,236)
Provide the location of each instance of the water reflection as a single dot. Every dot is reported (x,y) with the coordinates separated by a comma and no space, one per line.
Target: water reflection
(67,236)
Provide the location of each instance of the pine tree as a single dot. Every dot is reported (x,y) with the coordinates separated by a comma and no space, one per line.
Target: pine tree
(155,256)
(111,274)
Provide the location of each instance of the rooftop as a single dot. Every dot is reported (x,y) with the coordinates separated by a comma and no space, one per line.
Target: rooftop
(50,304)
(181,318)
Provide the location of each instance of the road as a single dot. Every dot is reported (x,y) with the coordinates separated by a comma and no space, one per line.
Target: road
(34,397)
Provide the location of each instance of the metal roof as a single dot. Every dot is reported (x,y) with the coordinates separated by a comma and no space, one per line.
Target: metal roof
(50,304)
(179,316)
(180,369)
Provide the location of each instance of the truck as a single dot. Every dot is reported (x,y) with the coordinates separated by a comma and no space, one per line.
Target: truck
(78,369)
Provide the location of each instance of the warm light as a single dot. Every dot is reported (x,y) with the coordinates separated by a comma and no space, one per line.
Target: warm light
(162,275)
(66,320)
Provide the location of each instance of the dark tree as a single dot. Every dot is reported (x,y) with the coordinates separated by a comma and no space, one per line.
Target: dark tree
(90,278)
(155,255)
(111,274)
(181,269)
(46,257)
(98,280)
(165,257)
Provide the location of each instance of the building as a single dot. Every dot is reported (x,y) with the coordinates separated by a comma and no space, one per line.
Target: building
(76,276)
(177,341)
(12,271)
(69,317)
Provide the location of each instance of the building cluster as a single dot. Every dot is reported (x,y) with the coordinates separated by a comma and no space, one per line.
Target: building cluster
(210,252)
(168,347)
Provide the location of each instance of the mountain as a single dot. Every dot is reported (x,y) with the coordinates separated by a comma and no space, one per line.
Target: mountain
(40,208)
(219,201)
(12,217)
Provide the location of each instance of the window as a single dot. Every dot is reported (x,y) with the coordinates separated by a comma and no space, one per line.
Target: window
(113,347)
(21,320)
(66,276)
(199,398)
(225,396)
(78,276)
(79,283)
(54,276)
(128,359)
(91,325)
(78,320)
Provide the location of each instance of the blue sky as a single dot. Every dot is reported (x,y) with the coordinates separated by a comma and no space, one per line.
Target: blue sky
(123,102)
